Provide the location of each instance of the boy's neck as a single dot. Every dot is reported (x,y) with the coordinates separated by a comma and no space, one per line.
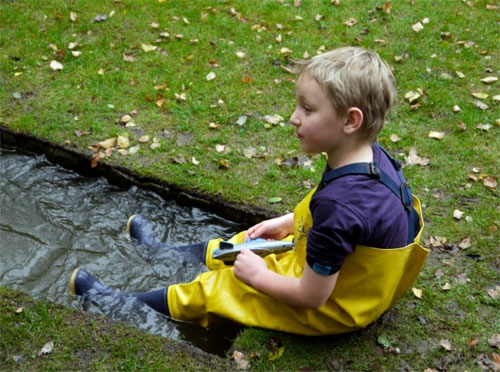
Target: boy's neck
(356,152)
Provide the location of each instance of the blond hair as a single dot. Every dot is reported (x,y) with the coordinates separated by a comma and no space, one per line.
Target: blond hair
(355,77)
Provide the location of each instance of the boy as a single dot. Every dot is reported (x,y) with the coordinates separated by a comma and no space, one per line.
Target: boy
(356,235)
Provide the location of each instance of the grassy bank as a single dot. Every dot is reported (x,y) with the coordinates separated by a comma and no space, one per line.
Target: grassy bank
(192,92)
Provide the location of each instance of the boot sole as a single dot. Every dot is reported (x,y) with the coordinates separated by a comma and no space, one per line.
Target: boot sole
(129,221)
(72,281)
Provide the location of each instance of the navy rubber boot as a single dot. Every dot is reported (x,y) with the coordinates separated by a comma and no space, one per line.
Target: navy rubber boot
(82,281)
(140,231)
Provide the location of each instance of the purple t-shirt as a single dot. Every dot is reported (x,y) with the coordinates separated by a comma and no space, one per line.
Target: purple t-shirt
(355,210)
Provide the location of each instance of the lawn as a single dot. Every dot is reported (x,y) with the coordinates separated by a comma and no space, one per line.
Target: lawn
(199,93)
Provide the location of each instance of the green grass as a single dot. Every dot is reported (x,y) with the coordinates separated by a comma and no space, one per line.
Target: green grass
(48,101)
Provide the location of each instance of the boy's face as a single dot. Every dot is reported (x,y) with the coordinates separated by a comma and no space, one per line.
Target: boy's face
(317,124)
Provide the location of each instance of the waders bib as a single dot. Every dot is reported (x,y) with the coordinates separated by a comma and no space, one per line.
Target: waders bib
(369,282)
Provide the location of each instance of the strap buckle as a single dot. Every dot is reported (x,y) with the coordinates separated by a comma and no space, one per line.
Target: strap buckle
(375,170)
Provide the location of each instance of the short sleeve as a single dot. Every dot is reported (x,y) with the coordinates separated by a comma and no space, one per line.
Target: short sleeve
(332,235)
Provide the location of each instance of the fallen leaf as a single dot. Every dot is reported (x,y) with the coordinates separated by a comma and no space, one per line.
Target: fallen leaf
(465,243)
(76,53)
(47,348)
(220,148)
(180,97)
(19,310)
(242,120)
(395,138)
(240,54)
(143,139)
(249,152)
(274,200)
(486,363)
(128,58)
(473,342)
(223,163)
(148,48)
(123,142)
(273,119)
(285,50)
(480,95)
(275,354)
(456,108)
(494,340)
(194,161)
(445,344)
(100,18)
(494,293)
(351,22)
(123,151)
(240,359)
(101,71)
(489,80)
(213,125)
(106,144)
(125,118)
(412,96)
(210,76)
(446,287)
(73,16)
(457,214)
(387,7)
(417,292)
(56,66)
(133,149)
(160,102)
(481,105)
(483,127)
(436,135)
(437,241)
(413,158)
(417,27)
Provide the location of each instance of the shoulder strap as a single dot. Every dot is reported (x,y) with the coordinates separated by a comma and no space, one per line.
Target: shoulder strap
(372,169)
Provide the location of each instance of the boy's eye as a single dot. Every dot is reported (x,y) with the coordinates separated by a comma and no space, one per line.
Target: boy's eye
(307,108)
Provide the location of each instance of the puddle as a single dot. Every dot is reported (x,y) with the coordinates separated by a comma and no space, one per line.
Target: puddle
(53,220)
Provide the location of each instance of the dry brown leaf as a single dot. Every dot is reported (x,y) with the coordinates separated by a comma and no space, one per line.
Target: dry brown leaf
(351,22)
(387,7)
(223,163)
(483,127)
(473,342)
(490,182)
(465,243)
(494,293)
(494,340)
(128,58)
(240,359)
(413,158)
(95,160)
(143,139)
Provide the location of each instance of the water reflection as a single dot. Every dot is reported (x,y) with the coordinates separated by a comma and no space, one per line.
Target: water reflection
(53,220)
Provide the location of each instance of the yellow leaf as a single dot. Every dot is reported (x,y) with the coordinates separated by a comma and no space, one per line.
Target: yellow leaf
(106,144)
(480,95)
(417,292)
(123,142)
(275,354)
(148,48)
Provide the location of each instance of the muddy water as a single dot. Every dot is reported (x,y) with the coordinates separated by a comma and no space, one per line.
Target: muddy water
(53,220)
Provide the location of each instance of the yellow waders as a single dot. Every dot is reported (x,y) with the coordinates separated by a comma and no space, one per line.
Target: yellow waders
(369,282)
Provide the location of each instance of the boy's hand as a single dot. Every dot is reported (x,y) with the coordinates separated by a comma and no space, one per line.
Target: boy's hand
(273,229)
(248,266)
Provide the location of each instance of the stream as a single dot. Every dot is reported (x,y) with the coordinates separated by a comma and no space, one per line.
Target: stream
(53,220)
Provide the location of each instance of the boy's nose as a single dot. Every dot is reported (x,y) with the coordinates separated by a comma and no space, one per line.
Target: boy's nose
(294,119)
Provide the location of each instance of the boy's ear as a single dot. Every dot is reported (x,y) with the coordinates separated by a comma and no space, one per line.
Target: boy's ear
(353,120)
